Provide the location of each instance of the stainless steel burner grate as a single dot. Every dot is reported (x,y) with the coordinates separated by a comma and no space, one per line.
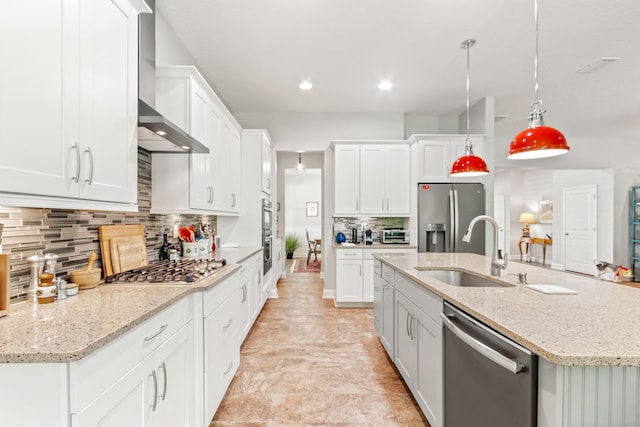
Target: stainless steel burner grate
(167,271)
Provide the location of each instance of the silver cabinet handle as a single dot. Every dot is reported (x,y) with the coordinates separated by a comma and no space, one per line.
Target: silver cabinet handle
(229,366)
(407,326)
(382,204)
(164,388)
(229,322)
(155,390)
(414,321)
(90,180)
(387,205)
(244,293)
(152,336)
(512,366)
(452,221)
(269,183)
(77,177)
(234,200)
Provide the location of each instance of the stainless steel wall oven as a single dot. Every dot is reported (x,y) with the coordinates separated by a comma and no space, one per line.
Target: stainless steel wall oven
(267,234)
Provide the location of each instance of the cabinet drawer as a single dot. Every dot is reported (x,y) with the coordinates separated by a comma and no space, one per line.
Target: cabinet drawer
(218,373)
(221,328)
(426,301)
(217,294)
(387,274)
(348,253)
(93,374)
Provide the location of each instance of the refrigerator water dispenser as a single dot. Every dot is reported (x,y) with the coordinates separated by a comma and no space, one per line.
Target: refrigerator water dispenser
(436,235)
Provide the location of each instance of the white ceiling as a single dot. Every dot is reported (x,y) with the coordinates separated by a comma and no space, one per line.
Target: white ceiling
(256,52)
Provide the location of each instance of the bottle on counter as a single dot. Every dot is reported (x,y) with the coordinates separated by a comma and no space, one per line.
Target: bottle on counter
(47,290)
(165,248)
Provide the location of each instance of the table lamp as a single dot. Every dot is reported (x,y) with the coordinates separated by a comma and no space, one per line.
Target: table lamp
(526,218)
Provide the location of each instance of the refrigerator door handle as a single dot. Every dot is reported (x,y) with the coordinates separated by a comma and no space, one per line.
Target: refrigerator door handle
(452,216)
(456,227)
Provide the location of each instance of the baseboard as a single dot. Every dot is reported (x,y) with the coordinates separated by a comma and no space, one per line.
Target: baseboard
(329,293)
(273,293)
(353,304)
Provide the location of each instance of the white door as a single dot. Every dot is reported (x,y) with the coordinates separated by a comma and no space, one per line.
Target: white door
(579,225)
(372,198)
(405,351)
(397,179)
(347,179)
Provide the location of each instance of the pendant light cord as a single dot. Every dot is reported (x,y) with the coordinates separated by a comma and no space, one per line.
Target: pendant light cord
(468,146)
(535,60)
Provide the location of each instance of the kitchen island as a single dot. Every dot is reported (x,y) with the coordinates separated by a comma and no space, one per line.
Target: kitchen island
(129,354)
(588,343)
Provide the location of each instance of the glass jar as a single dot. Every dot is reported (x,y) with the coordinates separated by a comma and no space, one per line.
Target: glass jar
(47,290)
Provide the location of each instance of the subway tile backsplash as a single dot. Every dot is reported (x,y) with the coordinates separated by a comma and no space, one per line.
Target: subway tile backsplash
(73,235)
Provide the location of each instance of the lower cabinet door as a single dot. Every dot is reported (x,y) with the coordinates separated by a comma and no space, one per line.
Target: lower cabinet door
(405,354)
(428,379)
(377,304)
(174,367)
(128,402)
(388,331)
(349,280)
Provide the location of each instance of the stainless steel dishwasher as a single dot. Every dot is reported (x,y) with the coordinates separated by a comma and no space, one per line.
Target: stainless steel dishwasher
(489,380)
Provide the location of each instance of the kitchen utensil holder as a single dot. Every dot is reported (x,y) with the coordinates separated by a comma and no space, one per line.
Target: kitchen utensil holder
(190,250)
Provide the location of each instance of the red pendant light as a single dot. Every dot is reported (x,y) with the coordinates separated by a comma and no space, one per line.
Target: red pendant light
(537,141)
(469,164)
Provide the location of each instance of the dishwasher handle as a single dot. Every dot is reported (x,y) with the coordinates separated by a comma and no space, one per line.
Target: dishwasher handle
(512,366)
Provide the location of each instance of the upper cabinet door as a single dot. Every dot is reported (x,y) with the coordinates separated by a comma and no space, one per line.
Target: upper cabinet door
(266,165)
(76,63)
(109,100)
(397,179)
(37,128)
(347,179)
(372,179)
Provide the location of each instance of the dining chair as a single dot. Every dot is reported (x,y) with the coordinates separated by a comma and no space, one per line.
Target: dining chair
(314,248)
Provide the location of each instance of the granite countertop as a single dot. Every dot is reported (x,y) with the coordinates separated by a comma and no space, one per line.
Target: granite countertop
(72,328)
(596,327)
(375,245)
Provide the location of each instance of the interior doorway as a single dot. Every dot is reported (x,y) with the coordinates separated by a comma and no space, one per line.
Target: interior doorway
(300,203)
(579,226)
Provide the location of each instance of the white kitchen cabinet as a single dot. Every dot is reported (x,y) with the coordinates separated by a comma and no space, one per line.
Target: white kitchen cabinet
(418,345)
(347,179)
(377,303)
(349,276)
(267,166)
(436,154)
(388,306)
(87,104)
(147,374)
(223,315)
(250,278)
(196,182)
(158,391)
(384,179)
(355,272)
(372,179)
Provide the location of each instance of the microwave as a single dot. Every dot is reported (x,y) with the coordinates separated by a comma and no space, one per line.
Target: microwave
(395,236)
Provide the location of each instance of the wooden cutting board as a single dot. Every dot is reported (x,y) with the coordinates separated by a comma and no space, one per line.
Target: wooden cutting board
(128,252)
(123,247)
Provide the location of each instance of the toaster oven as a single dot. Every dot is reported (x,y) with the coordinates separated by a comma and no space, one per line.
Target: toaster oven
(395,236)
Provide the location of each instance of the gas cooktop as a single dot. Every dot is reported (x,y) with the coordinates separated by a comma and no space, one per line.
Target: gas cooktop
(169,272)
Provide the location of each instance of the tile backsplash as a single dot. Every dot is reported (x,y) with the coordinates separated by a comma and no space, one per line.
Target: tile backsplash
(73,235)
(376,224)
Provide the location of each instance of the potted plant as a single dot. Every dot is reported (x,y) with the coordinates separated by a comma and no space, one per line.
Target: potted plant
(291,242)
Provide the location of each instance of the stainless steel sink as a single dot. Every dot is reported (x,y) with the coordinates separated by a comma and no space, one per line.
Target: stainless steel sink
(461,278)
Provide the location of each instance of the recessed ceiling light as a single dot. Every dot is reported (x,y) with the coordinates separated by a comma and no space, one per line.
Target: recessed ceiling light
(184,147)
(161,133)
(305,85)
(385,85)
(597,65)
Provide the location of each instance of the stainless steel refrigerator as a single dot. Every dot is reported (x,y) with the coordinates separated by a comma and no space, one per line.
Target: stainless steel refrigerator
(444,214)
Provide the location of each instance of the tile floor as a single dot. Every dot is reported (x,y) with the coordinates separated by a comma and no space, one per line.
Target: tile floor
(306,362)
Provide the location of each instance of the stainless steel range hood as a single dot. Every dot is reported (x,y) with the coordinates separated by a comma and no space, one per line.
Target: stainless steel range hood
(155,132)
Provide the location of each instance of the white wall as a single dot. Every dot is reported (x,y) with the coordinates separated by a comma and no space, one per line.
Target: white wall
(300,188)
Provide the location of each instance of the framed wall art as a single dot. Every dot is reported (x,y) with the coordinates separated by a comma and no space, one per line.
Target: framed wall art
(546,211)
(312,208)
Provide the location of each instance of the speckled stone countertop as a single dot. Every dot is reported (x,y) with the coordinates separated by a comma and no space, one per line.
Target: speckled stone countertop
(72,328)
(599,326)
(375,245)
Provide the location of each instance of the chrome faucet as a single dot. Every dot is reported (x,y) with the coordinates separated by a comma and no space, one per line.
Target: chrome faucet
(497,264)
